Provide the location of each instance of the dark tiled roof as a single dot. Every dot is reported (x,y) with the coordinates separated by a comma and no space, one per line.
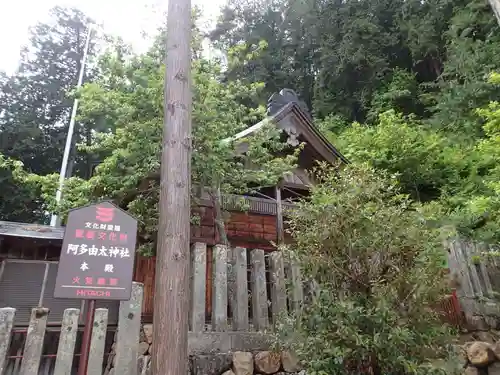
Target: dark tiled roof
(8,228)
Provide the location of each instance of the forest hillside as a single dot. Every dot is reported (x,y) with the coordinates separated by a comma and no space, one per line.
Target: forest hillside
(408,86)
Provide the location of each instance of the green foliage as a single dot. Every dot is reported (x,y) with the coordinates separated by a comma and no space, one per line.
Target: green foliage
(35,101)
(426,161)
(481,210)
(427,61)
(378,271)
(133,107)
(35,106)
(401,94)
(357,59)
(473,41)
(19,197)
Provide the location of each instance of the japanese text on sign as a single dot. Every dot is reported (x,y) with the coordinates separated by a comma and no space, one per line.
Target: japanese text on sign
(102,251)
(97,255)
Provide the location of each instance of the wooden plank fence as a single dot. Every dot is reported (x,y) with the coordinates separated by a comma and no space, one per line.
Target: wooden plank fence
(250,288)
(475,273)
(65,362)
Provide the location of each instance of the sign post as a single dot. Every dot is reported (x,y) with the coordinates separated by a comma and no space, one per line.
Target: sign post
(97,261)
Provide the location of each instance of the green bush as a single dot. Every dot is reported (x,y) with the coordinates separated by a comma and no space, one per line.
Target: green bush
(378,271)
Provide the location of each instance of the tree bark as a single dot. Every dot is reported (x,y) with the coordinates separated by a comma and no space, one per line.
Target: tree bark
(171,305)
(495,5)
(216,198)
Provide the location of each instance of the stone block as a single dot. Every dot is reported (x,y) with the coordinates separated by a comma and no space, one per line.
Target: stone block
(494,369)
(471,370)
(267,362)
(242,363)
(223,342)
(143,348)
(486,337)
(210,364)
(496,350)
(480,354)
(477,322)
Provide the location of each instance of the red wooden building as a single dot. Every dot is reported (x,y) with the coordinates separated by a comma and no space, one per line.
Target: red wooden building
(29,253)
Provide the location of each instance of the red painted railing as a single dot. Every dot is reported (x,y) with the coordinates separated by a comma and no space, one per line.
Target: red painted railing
(451,310)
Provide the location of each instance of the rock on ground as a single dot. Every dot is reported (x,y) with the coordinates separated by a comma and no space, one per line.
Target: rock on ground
(471,370)
(267,362)
(242,363)
(494,369)
(214,364)
(480,354)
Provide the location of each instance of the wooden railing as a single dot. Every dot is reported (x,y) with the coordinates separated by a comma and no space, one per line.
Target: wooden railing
(249,289)
(475,272)
(258,205)
(25,351)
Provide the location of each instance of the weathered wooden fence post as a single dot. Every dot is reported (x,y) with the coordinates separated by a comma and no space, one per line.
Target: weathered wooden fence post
(97,342)
(7,315)
(296,292)
(278,287)
(198,286)
(259,291)
(126,346)
(219,294)
(240,303)
(67,341)
(34,341)
(129,327)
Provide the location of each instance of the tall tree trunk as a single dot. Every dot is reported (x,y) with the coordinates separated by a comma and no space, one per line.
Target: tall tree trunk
(216,199)
(495,5)
(171,305)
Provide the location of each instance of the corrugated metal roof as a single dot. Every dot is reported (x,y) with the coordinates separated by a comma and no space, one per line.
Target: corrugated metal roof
(9,228)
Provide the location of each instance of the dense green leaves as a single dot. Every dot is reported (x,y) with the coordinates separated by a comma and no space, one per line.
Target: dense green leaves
(35,106)
(406,89)
(413,74)
(378,273)
(35,102)
(20,198)
(128,97)
(426,161)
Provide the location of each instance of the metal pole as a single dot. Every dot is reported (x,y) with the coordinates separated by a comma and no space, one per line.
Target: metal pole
(87,336)
(54,220)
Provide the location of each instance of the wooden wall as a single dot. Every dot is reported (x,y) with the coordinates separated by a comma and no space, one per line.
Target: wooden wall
(249,230)
(145,273)
(252,230)
(204,231)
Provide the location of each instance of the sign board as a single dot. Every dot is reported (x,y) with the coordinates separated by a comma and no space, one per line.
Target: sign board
(97,255)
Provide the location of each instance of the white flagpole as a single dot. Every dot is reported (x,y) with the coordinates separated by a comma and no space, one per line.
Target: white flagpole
(54,220)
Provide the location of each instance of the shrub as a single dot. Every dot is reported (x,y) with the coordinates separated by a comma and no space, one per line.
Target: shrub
(378,272)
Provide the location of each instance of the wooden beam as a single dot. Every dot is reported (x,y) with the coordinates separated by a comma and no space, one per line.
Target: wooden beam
(279,216)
